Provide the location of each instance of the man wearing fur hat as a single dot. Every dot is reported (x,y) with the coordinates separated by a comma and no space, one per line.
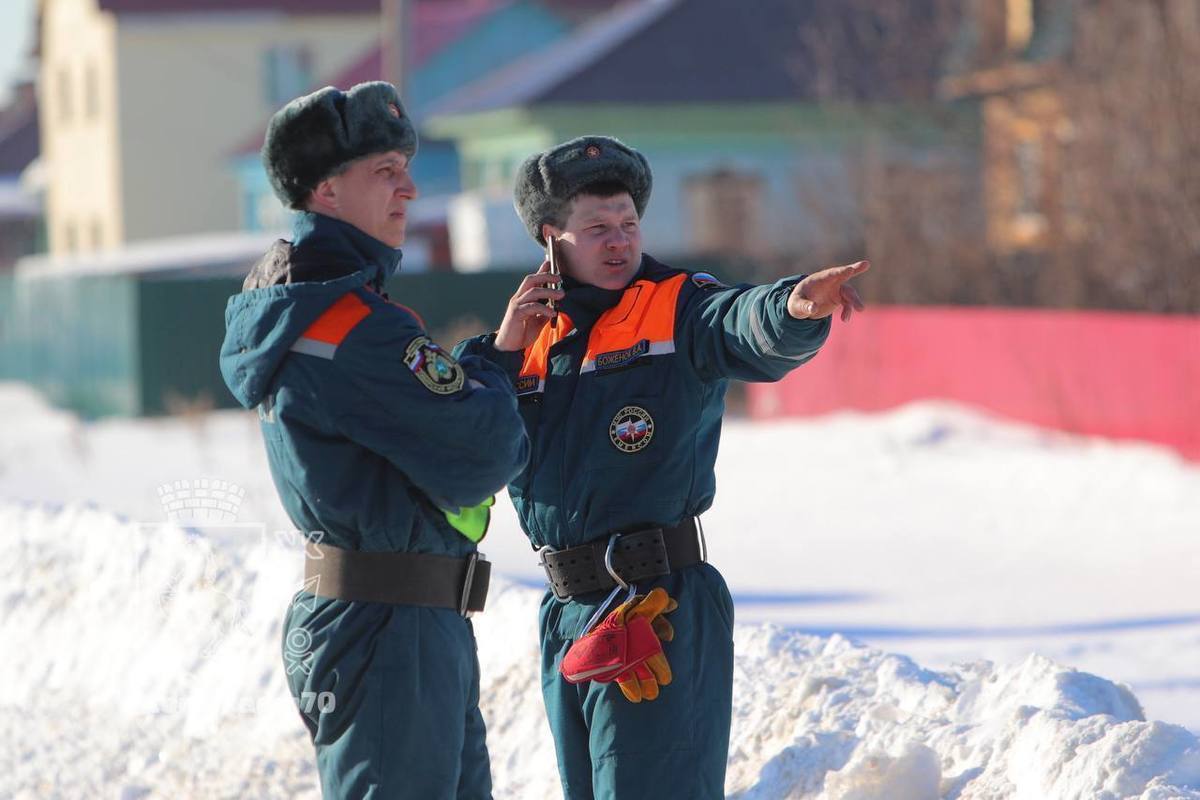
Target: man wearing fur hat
(621,375)
(385,451)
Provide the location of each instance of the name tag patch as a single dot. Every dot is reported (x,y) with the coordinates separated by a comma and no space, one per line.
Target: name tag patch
(622,358)
(526,384)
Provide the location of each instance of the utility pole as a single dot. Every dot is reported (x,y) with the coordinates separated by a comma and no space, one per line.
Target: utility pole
(395,30)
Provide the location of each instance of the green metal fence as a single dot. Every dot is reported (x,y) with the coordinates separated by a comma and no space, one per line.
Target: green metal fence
(147,344)
(134,345)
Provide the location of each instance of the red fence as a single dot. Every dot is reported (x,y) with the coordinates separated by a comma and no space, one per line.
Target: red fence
(1117,375)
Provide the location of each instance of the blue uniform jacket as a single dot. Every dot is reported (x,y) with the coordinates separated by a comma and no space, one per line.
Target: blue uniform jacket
(372,432)
(623,395)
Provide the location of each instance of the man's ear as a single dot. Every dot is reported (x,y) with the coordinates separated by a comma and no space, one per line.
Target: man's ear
(325,195)
(550,232)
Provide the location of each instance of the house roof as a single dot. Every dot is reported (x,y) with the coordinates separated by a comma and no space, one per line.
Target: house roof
(697,51)
(437,24)
(206,6)
(528,79)
(19,143)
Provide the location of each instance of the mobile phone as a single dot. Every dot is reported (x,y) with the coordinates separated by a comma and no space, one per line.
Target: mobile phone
(555,269)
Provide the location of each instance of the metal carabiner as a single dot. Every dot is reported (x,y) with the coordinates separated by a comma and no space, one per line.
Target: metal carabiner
(621,584)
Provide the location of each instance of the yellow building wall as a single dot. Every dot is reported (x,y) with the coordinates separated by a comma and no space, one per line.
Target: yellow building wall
(193,92)
(77,101)
(173,96)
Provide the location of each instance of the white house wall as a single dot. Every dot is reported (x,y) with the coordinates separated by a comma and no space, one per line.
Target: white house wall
(803,193)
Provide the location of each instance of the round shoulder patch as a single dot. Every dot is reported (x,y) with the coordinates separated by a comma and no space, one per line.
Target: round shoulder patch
(433,366)
(631,429)
(706,280)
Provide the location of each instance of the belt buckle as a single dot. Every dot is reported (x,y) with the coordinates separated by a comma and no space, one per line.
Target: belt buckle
(468,584)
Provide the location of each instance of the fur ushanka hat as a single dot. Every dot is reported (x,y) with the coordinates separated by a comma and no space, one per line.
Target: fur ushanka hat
(547,181)
(314,136)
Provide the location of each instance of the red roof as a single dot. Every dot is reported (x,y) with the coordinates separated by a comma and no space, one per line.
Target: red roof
(437,25)
(201,6)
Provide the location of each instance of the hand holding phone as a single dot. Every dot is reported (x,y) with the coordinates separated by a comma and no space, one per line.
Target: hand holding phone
(532,305)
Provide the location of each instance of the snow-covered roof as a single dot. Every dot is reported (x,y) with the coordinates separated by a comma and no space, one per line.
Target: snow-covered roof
(208,254)
(15,202)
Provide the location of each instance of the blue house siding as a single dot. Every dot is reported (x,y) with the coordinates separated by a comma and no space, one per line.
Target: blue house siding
(508,34)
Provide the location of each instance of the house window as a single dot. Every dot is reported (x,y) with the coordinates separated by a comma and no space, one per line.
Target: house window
(725,207)
(287,72)
(64,95)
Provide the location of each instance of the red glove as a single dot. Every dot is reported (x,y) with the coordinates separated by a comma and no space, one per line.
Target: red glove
(609,649)
(626,647)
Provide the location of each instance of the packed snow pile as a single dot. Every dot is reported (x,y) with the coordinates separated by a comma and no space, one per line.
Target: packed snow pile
(828,718)
(147,564)
(145,660)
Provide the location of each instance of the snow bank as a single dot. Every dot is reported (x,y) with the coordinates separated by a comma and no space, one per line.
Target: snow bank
(144,659)
(829,718)
(142,656)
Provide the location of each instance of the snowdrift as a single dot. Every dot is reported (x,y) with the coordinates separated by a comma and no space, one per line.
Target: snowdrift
(144,660)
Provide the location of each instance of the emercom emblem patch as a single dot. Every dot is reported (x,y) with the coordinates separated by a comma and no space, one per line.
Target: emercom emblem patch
(433,367)
(631,429)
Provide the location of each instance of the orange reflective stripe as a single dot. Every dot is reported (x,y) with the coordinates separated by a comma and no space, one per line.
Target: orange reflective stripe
(646,313)
(338,320)
(537,355)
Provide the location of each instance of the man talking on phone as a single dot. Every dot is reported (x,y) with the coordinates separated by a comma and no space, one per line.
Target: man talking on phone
(621,375)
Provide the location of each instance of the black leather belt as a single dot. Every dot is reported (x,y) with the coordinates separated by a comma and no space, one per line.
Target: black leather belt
(636,556)
(404,579)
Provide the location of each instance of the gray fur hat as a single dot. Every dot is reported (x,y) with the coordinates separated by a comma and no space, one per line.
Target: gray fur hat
(547,181)
(314,136)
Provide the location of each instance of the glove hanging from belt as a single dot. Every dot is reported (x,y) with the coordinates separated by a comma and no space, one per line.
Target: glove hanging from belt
(626,647)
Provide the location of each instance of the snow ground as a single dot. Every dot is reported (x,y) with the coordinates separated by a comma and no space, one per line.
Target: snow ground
(874,560)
